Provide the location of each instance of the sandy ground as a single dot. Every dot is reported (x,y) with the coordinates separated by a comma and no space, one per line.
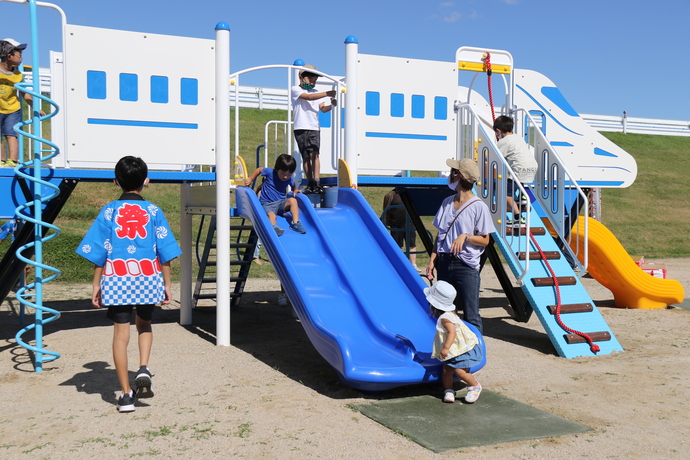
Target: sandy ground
(270,395)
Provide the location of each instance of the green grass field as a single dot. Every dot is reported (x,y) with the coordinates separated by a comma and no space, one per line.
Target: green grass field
(649,218)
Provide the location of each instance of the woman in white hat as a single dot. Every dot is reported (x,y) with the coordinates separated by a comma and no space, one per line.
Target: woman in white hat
(454,344)
(464,224)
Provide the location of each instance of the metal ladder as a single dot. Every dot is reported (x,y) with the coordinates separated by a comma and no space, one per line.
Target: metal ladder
(243,246)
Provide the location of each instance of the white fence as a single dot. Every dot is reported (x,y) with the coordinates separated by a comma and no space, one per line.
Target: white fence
(626,124)
(277,98)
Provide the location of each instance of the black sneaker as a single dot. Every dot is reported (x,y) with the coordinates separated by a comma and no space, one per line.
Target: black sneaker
(317,188)
(125,403)
(308,189)
(143,383)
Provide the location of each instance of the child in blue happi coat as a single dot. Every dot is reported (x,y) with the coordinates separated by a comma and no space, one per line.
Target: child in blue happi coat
(131,245)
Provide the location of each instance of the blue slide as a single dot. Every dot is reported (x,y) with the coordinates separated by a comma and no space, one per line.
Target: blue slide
(356,295)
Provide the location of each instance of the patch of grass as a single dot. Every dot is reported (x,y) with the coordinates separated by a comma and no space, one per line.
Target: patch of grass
(95,440)
(650,217)
(244,430)
(38,447)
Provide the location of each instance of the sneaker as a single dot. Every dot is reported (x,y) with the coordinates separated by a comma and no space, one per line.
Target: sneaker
(473,393)
(449,396)
(9,164)
(298,227)
(317,188)
(278,230)
(282,299)
(308,189)
(143,383)
(125,403)
(521,222)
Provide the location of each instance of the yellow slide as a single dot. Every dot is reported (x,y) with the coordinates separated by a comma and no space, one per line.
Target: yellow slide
(612,266)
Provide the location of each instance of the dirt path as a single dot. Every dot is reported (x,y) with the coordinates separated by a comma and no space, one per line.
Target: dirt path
(270,395)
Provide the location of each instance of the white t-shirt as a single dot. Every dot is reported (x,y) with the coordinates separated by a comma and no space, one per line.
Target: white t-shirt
(305,113)
(516,153)
(475,220)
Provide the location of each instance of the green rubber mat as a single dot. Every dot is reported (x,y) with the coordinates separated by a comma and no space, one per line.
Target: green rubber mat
(493,419)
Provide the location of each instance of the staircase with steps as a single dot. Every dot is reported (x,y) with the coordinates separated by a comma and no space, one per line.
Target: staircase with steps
(244,240)
(577,310)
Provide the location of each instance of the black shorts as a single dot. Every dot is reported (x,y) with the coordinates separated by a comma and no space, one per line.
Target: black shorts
(511,188)
(122,314)
(399,235)
(308,141)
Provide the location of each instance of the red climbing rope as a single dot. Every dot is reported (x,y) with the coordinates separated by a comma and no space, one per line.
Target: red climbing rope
(487,64)
(592,346)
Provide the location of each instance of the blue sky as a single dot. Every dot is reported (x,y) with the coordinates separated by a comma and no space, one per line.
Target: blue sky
(606,56)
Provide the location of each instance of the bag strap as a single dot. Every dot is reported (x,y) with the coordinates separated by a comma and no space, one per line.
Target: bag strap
(456,216)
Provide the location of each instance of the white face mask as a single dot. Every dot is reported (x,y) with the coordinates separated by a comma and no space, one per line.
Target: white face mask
(453,185)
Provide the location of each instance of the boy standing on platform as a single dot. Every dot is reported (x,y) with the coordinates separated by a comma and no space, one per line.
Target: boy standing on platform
(306,104)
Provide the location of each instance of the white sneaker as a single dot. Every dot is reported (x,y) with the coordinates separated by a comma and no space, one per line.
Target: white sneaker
(473,393)
(449,396)
(282,299)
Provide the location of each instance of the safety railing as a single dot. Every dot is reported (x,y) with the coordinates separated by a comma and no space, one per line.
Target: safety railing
(478,144)
(236,95)
(553,187)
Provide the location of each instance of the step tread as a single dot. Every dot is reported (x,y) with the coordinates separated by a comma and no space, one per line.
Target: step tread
(572,308)
(536,255)
(548,281)
(601,336)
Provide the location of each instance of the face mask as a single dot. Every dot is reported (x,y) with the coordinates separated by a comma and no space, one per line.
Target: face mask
(307,86)
(453,185)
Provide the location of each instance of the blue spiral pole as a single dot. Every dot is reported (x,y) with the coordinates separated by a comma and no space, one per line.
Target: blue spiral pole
(32,211)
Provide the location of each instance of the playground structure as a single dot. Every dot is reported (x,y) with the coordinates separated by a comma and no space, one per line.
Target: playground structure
(166,114)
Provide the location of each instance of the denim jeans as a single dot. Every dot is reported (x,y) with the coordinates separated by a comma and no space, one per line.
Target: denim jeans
(465,280)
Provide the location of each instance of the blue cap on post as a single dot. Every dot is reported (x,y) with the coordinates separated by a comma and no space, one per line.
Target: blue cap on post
(298,62)
(222,26)
(351,39)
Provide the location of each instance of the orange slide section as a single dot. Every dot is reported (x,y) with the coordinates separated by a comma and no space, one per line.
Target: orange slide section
(611,265)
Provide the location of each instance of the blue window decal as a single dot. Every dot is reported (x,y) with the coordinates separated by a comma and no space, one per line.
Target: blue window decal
(159,89)
(603,153)
(397,105)
(342,117)
(554,94)
(373,103)
(189,91)
(417,106)
(325,119)
(129,87)
(95,84)
(440,108)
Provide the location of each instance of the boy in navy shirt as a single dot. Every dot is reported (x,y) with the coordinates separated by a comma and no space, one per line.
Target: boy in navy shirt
(131,246)
(274,192)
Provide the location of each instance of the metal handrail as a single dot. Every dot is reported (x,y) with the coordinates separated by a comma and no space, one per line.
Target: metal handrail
(552,181)
(550,185)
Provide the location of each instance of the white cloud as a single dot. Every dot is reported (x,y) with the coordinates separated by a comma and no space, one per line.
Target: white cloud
(452,17)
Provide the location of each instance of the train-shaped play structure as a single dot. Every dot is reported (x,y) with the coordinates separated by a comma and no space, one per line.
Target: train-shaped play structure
(358,298)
